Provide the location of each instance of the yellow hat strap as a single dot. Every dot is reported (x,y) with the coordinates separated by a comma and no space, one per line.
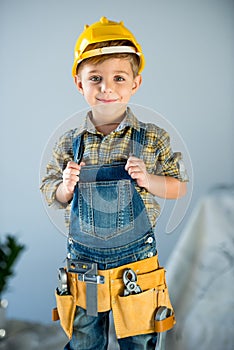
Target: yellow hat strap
(105,51)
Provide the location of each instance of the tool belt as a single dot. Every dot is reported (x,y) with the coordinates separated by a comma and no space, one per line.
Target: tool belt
(133,314)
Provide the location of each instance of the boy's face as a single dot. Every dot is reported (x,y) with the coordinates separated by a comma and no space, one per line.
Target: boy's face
(109,84)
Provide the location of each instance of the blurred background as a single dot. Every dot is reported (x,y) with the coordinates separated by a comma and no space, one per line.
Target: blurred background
(188,78)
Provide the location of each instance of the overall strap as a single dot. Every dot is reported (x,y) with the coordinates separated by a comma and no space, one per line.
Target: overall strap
(78,148)
(138,140)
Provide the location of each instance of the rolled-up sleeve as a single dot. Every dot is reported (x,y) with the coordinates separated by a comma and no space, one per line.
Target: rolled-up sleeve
(61,155)
(169,163)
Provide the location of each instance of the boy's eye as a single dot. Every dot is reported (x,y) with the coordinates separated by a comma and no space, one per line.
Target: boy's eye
(95,78)
(119,78)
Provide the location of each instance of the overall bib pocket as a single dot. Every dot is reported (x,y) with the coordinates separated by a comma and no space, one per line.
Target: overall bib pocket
(105,208)
(107,211)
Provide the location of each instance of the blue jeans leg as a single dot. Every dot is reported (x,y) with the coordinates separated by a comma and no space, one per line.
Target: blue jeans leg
(139,342)
(89,333)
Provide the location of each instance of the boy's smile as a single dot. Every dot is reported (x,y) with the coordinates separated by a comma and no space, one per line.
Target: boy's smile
(108,85)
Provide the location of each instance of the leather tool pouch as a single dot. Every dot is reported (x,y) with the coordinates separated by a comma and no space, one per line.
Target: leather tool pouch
(66,307)
(135,314)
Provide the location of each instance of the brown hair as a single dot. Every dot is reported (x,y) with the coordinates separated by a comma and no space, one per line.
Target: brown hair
(131,57)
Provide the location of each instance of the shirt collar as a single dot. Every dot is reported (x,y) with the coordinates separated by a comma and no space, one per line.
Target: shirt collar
(129,120)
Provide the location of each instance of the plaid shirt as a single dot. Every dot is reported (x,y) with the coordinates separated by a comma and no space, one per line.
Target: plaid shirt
(114,147)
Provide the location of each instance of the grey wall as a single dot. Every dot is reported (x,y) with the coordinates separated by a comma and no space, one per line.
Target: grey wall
(189,79)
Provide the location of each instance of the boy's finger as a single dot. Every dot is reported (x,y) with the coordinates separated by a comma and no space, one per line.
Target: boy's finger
(133,158)
(69,172)
(73,165)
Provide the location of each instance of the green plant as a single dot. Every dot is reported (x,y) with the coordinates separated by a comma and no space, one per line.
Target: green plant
(10,250)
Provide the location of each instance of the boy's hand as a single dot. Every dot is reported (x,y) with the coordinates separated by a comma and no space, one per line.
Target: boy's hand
(137,170)
(71,176)
(160,186)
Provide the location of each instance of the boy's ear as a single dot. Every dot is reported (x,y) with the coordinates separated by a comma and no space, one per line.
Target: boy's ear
(136,84)
(78,83)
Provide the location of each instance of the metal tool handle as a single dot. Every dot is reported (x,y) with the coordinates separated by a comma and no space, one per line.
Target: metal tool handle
(162,313)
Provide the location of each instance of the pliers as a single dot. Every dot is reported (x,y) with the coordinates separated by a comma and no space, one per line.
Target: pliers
(130,282)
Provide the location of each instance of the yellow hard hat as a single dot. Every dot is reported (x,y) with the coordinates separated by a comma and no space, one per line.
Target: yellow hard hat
(105,30)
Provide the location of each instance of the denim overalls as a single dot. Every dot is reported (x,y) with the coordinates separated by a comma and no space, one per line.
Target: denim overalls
(109,223)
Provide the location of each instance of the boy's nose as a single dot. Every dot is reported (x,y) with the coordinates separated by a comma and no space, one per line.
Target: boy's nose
(106,87)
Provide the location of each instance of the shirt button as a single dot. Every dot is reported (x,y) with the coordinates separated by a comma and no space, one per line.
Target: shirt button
(150,240)
(150,254)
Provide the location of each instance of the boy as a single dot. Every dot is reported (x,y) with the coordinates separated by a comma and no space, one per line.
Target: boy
(106,174)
